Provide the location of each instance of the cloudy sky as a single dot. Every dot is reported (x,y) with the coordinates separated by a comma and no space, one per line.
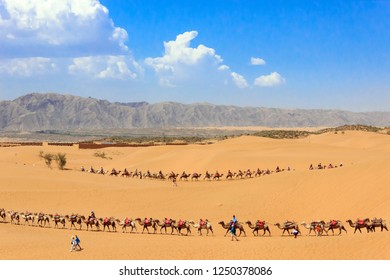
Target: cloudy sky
(287,54)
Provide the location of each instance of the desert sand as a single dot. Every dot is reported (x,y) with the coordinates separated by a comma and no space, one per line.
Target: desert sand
(360,188)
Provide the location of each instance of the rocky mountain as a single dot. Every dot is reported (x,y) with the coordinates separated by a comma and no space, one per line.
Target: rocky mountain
(51,111)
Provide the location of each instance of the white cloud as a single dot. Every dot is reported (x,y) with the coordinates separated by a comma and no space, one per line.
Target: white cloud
(270,80)
(239,80)
(27,67)
(257,61)
(223,67)
(180,61)
(117,67)
(179,52)
(66,28)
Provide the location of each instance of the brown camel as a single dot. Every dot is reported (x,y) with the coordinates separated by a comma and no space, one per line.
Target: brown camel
(148,223)
(217,176)
(230,175)
(333,224)
(287,226)
(360,224)
(184,176)
(27,218)
(57,219)
(208,176)
(128,223)
(378,223)
(203,225)
(126,173)
(75,219)
(43,219)
(196,176)
(167,223)
(236,226)
(183,224)
(109,222)
(258,226)
(14,216)
(114,172)
(91,222)
(2,214)
(318,227)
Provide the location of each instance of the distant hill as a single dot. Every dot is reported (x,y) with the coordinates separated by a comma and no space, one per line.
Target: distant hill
(52,111)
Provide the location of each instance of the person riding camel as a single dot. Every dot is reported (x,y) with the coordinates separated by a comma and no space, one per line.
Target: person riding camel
(202,222)
(360,221)
(101,170)
(127,221)
(168,221)
(181,222)
(92,216)
(333,222)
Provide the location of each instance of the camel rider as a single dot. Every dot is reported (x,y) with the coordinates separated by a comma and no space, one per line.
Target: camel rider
(127,221)
(202,222)
(167,221)
(233,221)
(181,222)
(92,217)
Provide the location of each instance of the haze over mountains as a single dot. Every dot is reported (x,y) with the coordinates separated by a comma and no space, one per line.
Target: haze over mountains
(52,111)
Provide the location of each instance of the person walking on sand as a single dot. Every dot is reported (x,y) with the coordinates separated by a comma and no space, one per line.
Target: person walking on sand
(174,181)
(77,239)
(73,244)
(295,232)
(233,232)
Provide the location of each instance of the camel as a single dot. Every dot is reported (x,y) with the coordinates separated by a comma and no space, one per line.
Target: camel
(196,176)
(208,176)
(249,173)
(114,172)
(166,223)
(287,226)
(317,226)
(203,225)
(333,224)
(57,219)
(126,173)
(217,176)
(378,223)
(259,225)
(240,174)
(172,176)
(14,216)
(236,226)
(107,222)
(43,219)
(91,222)
(360,224)
(148,223)
(230,175)
(258,172)
(101,171)
(75,219)
(181,225)
(2,214)
(27,218)
(184,176)
(128,223)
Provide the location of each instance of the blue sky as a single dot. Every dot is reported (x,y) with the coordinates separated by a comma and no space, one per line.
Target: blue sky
(286,54)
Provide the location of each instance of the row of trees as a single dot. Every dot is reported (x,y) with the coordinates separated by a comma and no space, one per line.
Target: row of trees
(59,158)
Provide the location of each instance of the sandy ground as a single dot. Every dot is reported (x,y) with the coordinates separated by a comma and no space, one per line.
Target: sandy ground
(358,189)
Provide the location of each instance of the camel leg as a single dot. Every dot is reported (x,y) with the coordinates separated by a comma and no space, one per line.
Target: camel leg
(384,227)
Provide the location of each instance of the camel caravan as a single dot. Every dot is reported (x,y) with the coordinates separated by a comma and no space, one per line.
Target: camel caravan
(183,226)
(186,176)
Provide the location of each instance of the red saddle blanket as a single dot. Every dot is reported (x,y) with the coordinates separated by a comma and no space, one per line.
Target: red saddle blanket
(260,223)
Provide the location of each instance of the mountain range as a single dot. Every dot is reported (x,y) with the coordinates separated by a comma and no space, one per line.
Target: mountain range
(51,111)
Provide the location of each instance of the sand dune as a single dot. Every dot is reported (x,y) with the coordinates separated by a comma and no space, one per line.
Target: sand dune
(358,189)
